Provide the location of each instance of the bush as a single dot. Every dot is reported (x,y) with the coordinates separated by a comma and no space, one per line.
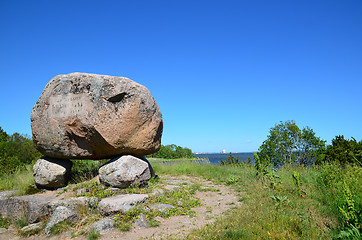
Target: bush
(344,151)
(340,189)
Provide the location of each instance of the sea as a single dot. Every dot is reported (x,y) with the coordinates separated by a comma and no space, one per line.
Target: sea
(215,158)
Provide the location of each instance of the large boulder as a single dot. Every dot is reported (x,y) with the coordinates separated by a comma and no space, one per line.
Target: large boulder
(90,116)
(51,173)
(123,171)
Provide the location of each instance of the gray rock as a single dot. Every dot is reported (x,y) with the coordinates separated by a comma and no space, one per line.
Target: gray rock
(161,207)
(123,171)
(51,173)
(93,202)
(141,222)
(172,188)
(60,214)
(31,229)
(7,194)
(2,230)
(120,203)
(33,207)
(90,116)
(113,189)
(71,203)
(103,226)
(81,191)
(174,181)
(158,192)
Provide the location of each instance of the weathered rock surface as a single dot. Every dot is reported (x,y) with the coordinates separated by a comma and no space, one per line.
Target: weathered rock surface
(51,173)
(123,171)
(90,116)
(102,226)
(60,214)
(141,222)
(6,194)
(31,229)
(119,203)
(33,207)
(72,203)
(161,207)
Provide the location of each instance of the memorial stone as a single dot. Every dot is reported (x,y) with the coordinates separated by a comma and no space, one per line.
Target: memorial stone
(90,116)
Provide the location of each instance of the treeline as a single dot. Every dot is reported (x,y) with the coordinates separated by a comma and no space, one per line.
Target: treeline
(288,144)
(172,152)
(16,151)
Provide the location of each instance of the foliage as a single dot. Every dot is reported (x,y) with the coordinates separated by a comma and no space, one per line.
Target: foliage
(231,160)
(94,189)
(3,135)
(83,170)
(4,222)
(21,179)
(261,166)
(340,189)
(15,152)
(344,151)
(350,233)
(296,179)
(172,152)
(349,210)
(60,227)
(93,234)
(287,143)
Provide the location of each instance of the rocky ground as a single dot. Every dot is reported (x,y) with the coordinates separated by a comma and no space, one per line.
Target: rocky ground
(215,200)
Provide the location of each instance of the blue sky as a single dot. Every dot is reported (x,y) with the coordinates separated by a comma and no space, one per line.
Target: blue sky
(222,72)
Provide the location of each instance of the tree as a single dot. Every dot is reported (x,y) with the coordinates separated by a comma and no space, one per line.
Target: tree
(287,143)
(3,135)
(344,151)
(16,151)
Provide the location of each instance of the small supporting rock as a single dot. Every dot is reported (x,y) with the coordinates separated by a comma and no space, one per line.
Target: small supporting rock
(123,171)
(50,173)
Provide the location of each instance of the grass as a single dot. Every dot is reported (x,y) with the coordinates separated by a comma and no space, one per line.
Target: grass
(93,235)
(4,222)
(277,206)
(293,202)
(21,180)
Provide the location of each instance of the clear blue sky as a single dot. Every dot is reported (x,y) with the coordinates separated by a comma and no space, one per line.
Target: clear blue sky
(223,72)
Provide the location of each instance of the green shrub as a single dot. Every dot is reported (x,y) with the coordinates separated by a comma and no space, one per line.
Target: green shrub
(4,222)
(172,152)
(231,160)
(344,151)
(93,234)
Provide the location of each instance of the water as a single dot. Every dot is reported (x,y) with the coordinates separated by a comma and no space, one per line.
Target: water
(215,158)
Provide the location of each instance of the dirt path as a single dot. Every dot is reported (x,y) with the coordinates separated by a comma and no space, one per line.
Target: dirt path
(213,204)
